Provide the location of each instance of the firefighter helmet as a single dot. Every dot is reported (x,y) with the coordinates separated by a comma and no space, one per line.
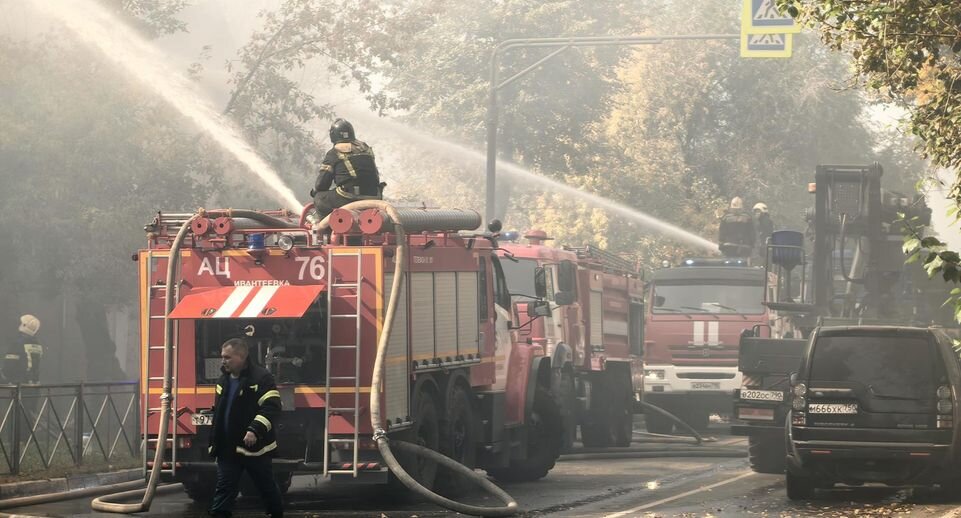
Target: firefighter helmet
(737,203)
(760,207)
(29,325)
(341,131)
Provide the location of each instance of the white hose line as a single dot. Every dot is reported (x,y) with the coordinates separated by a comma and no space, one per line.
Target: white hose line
(102,504)
(47,498)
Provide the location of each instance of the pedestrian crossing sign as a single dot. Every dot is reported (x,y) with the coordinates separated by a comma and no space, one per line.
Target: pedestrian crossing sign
(763,17)
(766,45)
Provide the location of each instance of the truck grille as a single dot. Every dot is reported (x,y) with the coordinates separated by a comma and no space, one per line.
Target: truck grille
(704,355)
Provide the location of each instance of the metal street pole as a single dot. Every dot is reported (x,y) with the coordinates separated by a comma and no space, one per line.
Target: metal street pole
(560,44)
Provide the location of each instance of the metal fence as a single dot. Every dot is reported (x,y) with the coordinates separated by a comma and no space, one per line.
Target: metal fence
(67,425)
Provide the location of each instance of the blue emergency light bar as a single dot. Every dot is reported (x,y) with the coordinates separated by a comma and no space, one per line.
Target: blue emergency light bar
(714,261)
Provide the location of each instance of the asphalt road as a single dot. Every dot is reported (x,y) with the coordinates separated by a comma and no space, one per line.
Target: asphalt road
(609,488)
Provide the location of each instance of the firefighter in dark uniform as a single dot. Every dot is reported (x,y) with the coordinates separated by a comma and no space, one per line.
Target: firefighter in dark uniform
(348,172)
(21,364)
(736,230)
(246,409)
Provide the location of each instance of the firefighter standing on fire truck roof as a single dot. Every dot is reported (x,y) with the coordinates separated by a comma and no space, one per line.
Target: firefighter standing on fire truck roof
(242,437)
(21,364)
(736,230)
(348,172)
(763,224)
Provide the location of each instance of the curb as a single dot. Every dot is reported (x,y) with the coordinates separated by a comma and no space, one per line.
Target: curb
(68,483)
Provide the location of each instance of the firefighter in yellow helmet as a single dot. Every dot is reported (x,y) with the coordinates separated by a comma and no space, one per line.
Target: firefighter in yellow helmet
(736,230)
(763,224)
(21,364)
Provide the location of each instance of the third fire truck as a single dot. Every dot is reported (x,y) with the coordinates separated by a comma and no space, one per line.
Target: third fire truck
(695,317)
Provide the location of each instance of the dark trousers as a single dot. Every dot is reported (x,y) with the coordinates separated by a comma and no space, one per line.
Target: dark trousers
(326,201)
(229,469)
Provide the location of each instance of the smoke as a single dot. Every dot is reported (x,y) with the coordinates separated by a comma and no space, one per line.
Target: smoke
(102,30)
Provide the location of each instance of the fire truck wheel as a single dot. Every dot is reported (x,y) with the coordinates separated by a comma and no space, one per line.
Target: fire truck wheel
(458,439)
(622,422)
(612,417)
(543,444)
(425,432)
(566,397)
(766,454)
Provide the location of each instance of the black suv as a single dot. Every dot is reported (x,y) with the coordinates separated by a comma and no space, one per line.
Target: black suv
(873,404)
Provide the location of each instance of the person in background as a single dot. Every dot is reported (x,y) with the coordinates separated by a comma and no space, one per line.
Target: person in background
(21,364)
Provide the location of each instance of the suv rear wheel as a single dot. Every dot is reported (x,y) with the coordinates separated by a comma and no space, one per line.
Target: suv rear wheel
(766,453)
(799,488)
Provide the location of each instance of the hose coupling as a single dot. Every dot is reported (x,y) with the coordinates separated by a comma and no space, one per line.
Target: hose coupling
(166,396)
(379,434)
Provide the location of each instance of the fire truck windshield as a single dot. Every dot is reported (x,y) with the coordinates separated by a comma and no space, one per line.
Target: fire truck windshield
(724,297)
(520,277)
(293,349)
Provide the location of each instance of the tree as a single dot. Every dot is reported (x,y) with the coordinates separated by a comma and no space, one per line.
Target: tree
(427,60)
(676,141)
(907,51)
(83,168)
(694,125)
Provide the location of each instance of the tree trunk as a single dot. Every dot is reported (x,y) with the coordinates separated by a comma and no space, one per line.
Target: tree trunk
(102,363)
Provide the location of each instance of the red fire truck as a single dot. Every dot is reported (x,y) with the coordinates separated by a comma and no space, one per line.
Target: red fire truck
(593,332)
(695,318)
(312,307)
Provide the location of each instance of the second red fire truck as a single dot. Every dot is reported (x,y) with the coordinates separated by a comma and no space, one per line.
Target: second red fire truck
(593,332)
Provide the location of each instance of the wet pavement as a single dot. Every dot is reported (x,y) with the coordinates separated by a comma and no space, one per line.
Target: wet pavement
(608,488)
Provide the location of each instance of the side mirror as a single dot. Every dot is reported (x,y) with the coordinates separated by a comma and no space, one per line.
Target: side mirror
(564,298)
(539,308)
(567,276)
(540,282)
(658,301)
